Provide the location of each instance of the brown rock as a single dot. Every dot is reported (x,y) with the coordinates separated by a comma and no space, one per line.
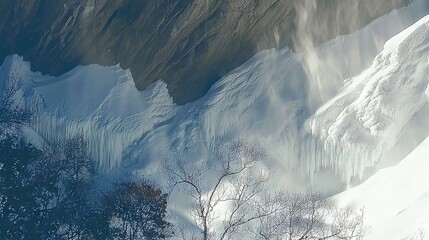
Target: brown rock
(189,44)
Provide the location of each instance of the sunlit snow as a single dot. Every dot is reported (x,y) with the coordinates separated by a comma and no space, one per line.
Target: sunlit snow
(395,199)
(265,101)
(268,102)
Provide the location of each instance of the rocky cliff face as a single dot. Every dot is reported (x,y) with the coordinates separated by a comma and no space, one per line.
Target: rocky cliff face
(188,43)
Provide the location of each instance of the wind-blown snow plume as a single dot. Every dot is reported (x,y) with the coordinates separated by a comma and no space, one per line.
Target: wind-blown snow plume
(328,65)
(363,121)
(265,101)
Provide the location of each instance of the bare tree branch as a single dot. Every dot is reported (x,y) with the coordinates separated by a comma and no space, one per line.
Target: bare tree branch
(230,197)
(13,110)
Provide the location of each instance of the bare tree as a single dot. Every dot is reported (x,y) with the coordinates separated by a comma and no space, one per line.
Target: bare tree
(309,216)
(12,108)
(231,182)
(43,193)
(230,197)
(136,210)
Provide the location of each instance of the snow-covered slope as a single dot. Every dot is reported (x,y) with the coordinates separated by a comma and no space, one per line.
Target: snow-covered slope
(98,103)
(265,101)
(364,120)
(395,199)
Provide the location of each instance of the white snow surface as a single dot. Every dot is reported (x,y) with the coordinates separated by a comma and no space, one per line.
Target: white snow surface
(395,199)
(363,121)
(99,103)
(264,101)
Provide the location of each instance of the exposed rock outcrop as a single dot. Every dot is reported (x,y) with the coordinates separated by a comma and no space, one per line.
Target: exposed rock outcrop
(188,43)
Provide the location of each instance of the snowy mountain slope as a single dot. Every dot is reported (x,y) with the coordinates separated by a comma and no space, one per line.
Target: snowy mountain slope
(395,199)
(265,101)
(95,102)
(363,121)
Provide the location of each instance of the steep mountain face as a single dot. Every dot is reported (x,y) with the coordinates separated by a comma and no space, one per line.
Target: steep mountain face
(262,101)
(189,44)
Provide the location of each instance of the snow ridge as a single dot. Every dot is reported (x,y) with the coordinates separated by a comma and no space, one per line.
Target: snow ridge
(363,121)
(263,101)
(98,103)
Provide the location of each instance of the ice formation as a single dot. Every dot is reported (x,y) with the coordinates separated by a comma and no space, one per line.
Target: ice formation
(264,101)
(363,121)
(395,199)
(98,103)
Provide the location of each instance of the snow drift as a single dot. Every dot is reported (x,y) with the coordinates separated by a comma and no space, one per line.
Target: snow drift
(395,199)
(265,101)
(364,120)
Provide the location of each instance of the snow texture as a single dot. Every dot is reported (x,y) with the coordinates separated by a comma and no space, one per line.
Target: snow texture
(364,120)
(264,101)
(395,199)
